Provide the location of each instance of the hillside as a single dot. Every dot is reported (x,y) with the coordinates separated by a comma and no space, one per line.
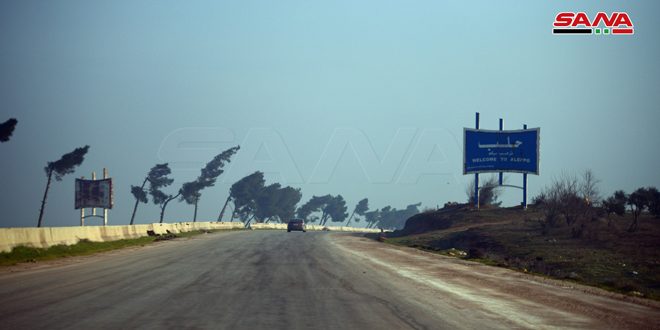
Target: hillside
(606,255)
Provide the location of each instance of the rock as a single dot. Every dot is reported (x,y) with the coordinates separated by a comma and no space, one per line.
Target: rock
(573,276)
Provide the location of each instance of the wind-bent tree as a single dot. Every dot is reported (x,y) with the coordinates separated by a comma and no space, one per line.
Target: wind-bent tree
(192,191)
(60,168)
(7,129)
(314,204)
(255,201)
(361,207)
(157,195)
(288,199)
(267,202)
(331,207)
(372,218)
(244,193)
(389,217)
(335,210)
(156,174)
(277,203)
(224,207)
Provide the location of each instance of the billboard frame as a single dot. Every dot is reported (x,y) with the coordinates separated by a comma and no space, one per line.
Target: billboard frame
(538,148)
(105,210)
(500,171)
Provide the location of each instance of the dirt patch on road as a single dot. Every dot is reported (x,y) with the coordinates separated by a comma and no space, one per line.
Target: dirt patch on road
(528,301)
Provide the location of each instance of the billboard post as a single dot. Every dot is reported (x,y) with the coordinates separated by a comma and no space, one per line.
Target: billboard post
(501,173)
(524,203)
(476,175)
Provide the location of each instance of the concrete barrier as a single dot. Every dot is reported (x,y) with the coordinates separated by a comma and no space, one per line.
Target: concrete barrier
(282,226)
(49,236)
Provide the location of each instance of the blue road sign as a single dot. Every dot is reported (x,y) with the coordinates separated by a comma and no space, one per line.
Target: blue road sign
(501,151)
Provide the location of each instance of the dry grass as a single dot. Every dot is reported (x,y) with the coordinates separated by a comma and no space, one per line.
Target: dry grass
(606,255)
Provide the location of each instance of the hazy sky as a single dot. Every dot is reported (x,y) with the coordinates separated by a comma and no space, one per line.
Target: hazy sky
(359,98)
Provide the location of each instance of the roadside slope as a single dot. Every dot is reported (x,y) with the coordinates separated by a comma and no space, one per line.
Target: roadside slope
(523,300)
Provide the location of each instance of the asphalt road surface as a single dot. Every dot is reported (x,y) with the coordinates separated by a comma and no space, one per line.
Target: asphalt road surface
(313,280)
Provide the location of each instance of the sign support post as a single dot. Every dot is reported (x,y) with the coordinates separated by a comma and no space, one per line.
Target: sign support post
(93,208)
(82,211)
(476,175)
(105,210)
(501,174)
(524,203)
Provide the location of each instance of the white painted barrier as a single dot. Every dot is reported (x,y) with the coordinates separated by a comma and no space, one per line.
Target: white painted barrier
(49,236)
(282,226)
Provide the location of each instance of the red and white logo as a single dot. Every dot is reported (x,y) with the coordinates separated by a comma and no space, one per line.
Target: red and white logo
(616,23)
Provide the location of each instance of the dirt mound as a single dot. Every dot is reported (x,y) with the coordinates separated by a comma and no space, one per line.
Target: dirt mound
(457,216)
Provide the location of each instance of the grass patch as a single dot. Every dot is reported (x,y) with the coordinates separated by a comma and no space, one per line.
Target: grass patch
(21,254)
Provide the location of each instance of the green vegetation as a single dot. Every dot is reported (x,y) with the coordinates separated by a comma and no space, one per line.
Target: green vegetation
(83,247)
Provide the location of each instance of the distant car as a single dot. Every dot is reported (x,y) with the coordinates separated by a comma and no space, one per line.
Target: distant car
(296,224)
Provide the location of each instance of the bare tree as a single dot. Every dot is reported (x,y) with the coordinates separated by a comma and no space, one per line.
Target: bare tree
(570,197)
(60,168)
(489,192)
(589,188)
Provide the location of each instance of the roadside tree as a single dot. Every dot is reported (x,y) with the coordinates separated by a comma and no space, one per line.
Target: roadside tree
(637,202)
(192,191)
(7,129)
(155,175)
(360,208)
(60,168)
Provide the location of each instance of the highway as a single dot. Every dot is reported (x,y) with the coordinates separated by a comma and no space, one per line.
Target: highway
(279,280)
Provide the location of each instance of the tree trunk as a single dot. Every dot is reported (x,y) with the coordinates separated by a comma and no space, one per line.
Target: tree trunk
(349,218)
(233,213)
(195,215)
(137,201)
(162,208)
(43,201)
(323,218)
(222,212)
(247,223)
(633,224)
